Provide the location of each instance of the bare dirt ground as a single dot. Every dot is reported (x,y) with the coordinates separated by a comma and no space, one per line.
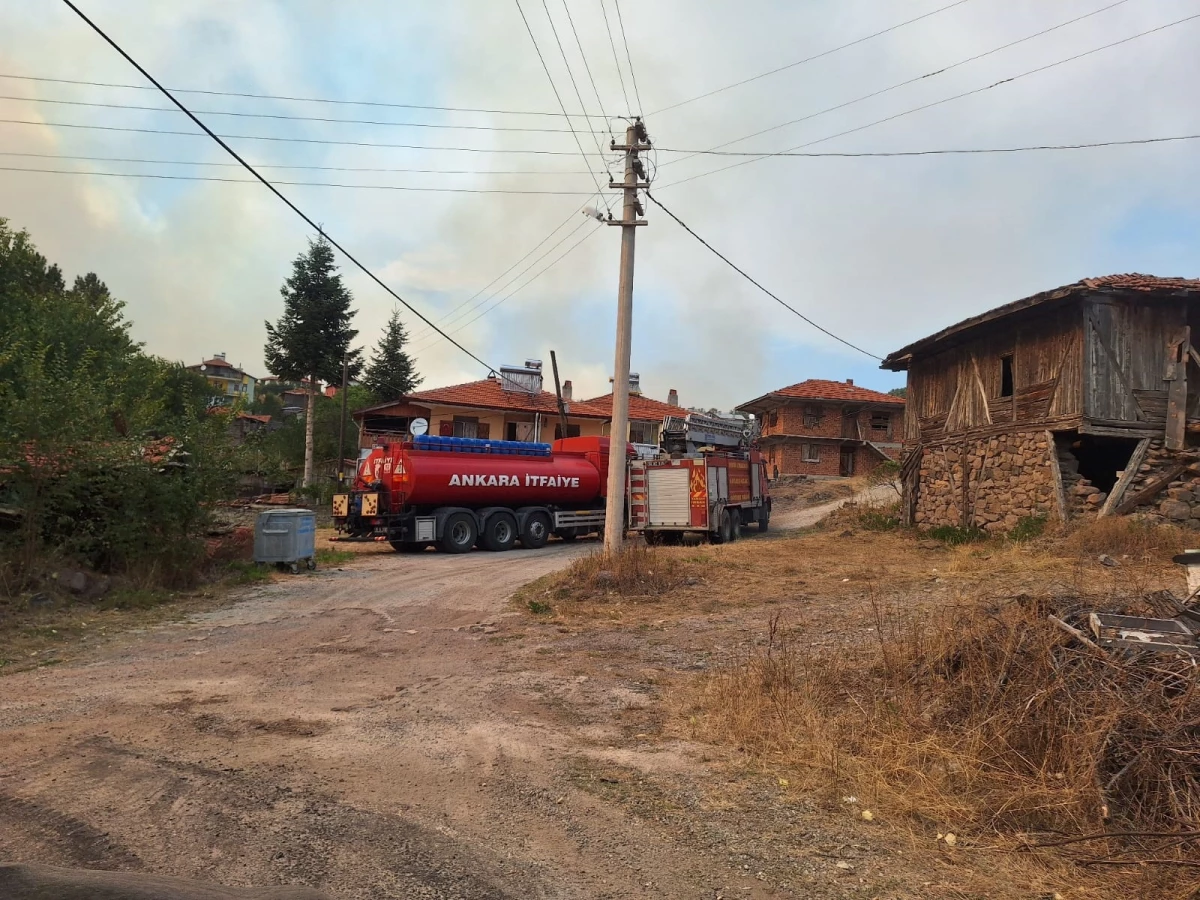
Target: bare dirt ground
(399,728)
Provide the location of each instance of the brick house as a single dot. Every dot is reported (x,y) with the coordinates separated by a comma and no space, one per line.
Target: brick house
(646,415)
(229,382)
(1072,402)
(507,406)
(827,428)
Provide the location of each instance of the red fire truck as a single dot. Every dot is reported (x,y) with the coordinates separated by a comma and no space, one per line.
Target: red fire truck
(459,492)
(708,495)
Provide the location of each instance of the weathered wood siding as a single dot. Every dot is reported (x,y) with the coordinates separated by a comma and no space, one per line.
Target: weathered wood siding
(959,390)
(1125,358)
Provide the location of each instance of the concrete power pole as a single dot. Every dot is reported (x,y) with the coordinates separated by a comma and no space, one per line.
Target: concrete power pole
(614,514)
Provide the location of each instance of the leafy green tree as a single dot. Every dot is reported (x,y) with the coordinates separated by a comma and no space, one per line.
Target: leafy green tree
(390,373)
(311,339)
(901,392)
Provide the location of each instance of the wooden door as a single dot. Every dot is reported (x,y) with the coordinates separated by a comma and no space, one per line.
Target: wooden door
(846,468)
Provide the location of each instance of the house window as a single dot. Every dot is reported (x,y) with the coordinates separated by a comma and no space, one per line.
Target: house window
(810,452)
(572,431)
(1006,376)
(812,416)
(882,422)
(642,433)
(466,426)
(774,418)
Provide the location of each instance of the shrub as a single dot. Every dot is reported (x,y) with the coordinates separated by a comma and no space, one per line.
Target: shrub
(954,535)
(1028,528)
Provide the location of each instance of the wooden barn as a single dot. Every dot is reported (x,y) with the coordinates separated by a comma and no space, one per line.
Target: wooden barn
(1071,402)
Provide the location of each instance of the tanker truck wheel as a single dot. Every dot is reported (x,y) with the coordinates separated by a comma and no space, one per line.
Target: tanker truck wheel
(537,531)
(724,529)
(459,533)
(499,532)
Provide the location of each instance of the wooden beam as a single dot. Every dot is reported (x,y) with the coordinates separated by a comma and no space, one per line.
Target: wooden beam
(1193,354)
(1176,376)
(1152,490)
(1060,495)
(987,413)
(1127,477)
(1112,361)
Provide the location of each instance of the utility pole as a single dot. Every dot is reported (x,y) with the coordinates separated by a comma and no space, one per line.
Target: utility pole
(341,477)
(562,407)
(636,140)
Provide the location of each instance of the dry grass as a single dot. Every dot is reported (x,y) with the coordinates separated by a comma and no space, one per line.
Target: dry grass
(637,573)
(1120,536)
(982,721)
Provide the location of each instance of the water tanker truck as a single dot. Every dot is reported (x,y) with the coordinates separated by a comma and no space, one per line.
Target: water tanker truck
(457,493)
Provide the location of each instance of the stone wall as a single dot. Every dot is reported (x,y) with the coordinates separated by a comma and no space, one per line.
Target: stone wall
(1009,478)
(1179,503)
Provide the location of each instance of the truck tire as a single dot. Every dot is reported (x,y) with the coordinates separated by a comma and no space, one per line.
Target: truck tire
(499,532)
(724,528)
(567,535)
(536,531)
(764,518)
(459,533)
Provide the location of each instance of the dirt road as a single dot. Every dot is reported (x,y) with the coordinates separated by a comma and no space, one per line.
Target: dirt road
(803,517)
(387,730)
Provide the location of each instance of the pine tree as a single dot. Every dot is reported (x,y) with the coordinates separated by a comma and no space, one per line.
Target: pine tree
(390,373)
(313,336)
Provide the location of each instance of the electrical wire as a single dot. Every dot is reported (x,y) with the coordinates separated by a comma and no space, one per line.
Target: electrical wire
(517,290)
(292,118)
(192,162)
(554,88)
(629,59)
(441,320)
(616,59)
(947,152)
(366,271)
(925,106)
(588,68)
(905,83)
(160,176)
(812,58)
(725,259)
(466,312)
(288,140)
(250,96)
(570,73)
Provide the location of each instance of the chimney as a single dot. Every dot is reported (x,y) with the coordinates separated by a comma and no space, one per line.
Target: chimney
(635,383)
(567,391)
(220,356)
(850,381)
(672,397)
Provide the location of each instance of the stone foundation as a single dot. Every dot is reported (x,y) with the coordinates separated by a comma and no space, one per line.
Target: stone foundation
(1179,503)
(1009,477)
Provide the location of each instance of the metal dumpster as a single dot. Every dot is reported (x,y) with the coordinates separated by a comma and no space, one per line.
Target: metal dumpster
(286,536)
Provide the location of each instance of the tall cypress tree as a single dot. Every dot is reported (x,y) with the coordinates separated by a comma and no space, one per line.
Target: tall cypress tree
(391,373)
(313,336)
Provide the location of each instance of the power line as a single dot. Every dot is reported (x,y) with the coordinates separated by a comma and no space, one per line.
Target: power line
(629,59)
(455,315)
(925,106)
(554,88)
(749,278)
(251,96)
(812,58)
(443,319)
(160,176)
(948,152)
(571,74)
(588,68)
(274,190)
(291,118)
(522,287)
(288,140)
(900,84)
(616,60)
(191,162)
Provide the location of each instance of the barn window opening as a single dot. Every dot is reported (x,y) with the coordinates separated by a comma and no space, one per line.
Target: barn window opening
(1098,459)
(1006,376)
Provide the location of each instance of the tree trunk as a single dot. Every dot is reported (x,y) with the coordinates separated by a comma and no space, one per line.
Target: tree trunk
(308,432)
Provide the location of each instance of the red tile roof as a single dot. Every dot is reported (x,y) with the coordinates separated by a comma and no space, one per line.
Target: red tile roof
(835,391)
(1145,284)
(643,409)
(487,394)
